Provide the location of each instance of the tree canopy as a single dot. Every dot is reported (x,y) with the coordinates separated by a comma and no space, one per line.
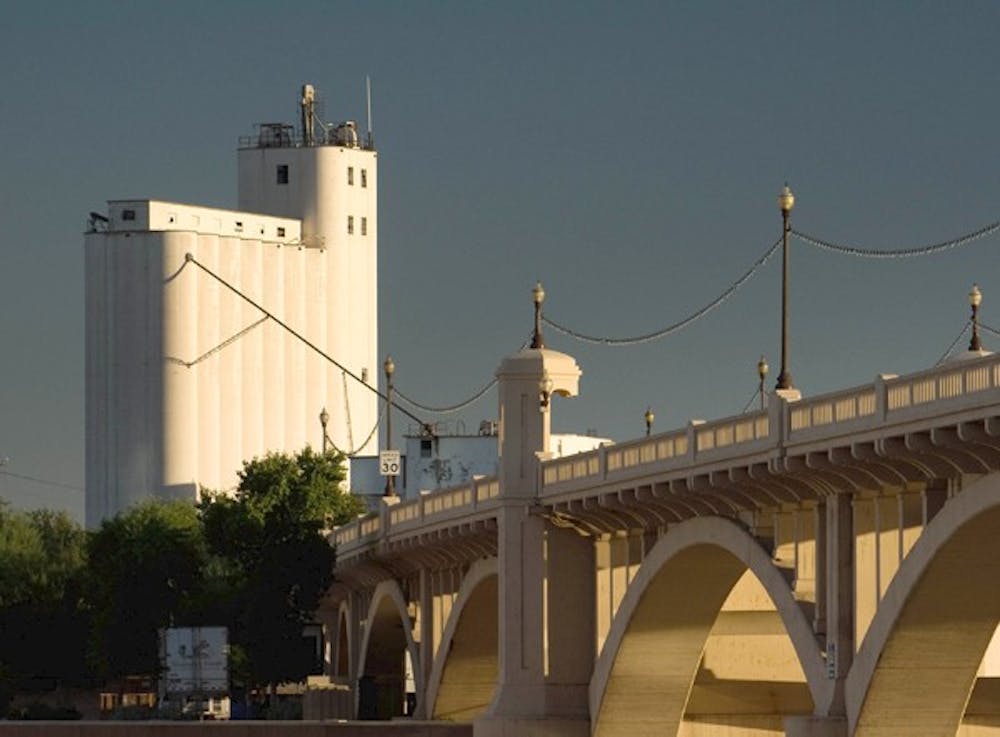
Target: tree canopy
(280,564)
(146,569)
(42,615)
(256,561)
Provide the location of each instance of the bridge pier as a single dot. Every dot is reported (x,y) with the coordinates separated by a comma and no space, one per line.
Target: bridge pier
(547,637)
(838,609)
(814,726)
(823,569)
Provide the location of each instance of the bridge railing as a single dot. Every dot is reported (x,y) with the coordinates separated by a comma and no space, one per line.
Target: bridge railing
(700,440)
(889,399)
(429,508)
(956,386)
(847,410)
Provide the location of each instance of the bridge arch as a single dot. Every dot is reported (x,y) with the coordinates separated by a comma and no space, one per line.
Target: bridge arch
(463,679)
(915,670)
(342,646)
(644,676)
(386,644)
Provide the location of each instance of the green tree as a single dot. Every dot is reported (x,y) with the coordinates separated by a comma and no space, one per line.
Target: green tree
(146,571)
(42,618)
(270,532)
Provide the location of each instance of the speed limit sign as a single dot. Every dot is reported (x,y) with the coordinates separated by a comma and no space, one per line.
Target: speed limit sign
(388,463)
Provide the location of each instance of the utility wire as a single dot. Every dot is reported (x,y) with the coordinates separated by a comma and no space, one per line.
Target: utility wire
(752,401)
(988,329)
(680,324)
(212,351)
(189,258)
(898,252)
(451,408)
(954,343)
(36,480)
(358,449)
(460,405)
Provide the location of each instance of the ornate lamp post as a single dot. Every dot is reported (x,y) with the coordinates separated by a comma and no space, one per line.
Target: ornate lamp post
(762,369)
(324,417)
(786,200)
(975,299)
(545,385)
(390,369)
(538,294)
(649,417)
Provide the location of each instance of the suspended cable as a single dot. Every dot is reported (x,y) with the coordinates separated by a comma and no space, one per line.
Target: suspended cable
(359,448)
(988,329)
(753,400)
(451,408)
(898,252)
(460,405)
(227,342)
(951,347)
(680,324)
(188,257)
(37,480)
(347,409)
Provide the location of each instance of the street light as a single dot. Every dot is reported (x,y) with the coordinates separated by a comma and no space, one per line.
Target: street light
(649,417)
(390,369)
(538,294)
(544,392)
(762,369)
(324,417)
(786,201)
(975,299)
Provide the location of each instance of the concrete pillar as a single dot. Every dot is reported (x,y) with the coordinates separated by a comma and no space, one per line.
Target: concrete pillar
(542,686)
(819,619)
(814,726)
(426,634)
(570,621)
(525,412)
(839,597)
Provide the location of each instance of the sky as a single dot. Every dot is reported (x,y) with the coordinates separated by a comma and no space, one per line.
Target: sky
(628,155)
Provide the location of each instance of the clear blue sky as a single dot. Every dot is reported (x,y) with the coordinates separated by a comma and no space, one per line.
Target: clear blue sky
(627,154)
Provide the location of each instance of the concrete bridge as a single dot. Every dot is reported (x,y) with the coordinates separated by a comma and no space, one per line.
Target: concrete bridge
(829,566)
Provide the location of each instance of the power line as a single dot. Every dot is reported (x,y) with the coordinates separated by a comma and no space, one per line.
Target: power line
(680,324)
(951,347)
(898,252)
(36,480)
(212,351)
(451,408)
(358,449)
(189,258)
(988,329)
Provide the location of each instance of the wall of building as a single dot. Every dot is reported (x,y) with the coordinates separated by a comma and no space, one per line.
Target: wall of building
(332,189)
(164,415)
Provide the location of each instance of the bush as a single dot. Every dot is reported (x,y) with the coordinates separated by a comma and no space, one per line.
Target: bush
(39,711)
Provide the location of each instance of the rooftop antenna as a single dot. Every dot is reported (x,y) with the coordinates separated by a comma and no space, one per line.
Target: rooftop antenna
(308,104)
(368,95)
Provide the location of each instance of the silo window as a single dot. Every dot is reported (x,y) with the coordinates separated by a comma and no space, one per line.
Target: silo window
(425,448)
(350,225)
(128,214)
(364,226)
(282,173)
(364,177)
(350,175)
(281,232)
